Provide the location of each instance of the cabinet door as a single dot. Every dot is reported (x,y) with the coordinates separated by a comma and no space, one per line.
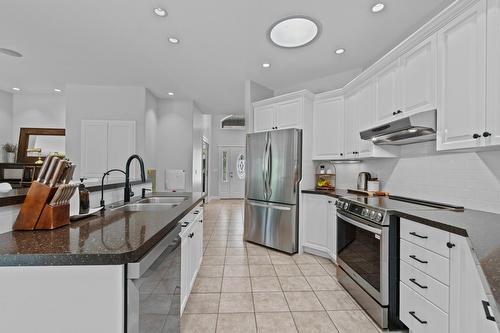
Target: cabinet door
(461,80)
(328,128)
(418,77)
(387,92)
(351,128)
(94,148)
(467,294)
(263,118)
(493,76)
(289,114)
(185,271)
(121,144)
(365,117)
(316,230)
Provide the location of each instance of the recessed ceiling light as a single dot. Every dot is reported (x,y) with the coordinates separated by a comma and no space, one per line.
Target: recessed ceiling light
(378,7)
(57,90)
(340,51)
(294,31)
(266,65)
(16,89)
(160,12)
(173,40)
(170,94)
(10,52)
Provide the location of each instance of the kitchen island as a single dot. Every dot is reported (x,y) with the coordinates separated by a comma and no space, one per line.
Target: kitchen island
(78,278)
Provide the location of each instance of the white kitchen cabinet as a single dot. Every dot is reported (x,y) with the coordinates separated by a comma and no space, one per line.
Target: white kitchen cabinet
(418,77)
(263,118)
(462,80)
(467,293)
(191,252)
(319,225)
(492,128)
(387,88)
(106,145)
(366,117)
(351,127)
(282,112)
(328,128)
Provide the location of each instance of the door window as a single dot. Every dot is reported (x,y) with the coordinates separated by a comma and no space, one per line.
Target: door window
(225,170)
(240,166)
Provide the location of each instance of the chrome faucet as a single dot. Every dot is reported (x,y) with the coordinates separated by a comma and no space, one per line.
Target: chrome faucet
(128,189)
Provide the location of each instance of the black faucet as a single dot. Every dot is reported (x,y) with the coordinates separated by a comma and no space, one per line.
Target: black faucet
(128,190)
(102,183)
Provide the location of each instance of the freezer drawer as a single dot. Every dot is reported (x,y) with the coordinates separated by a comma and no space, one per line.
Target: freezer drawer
(272,225)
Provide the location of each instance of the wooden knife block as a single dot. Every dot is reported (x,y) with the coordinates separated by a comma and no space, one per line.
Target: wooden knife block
(36,213)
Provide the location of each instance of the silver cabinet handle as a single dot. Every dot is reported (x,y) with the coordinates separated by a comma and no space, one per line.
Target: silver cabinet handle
(487,310)
(412,313)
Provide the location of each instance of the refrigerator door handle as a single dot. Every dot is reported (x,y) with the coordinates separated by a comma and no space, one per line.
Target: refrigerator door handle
(270,168)
(270,205)
(264,166)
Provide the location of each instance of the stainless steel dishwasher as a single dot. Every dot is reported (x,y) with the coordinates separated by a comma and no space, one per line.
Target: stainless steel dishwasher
(153,288)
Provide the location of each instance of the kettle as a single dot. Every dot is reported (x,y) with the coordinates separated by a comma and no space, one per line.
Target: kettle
(363,179)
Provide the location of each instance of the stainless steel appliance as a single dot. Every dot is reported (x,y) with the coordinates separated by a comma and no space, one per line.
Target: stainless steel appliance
(363,178)
(368,251)
(273,174)
(419,127)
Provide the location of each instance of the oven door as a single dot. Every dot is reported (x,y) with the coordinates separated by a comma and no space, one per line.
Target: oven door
(363,253)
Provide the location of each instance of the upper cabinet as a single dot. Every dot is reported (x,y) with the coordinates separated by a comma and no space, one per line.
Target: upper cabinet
(281,112)
(351,132)
(492,129)
(366,117)
(418,78)
(328,128)
(387,103)
(462,80)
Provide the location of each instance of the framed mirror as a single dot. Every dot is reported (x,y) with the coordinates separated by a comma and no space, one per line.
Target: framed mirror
(36,143)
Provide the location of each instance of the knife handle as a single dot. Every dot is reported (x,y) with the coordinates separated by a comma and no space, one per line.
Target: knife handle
(44,168)
(51,169)
(57,173)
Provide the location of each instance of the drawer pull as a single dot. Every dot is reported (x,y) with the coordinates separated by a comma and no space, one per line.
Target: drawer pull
(487,311)
(191,235)
(412,313)
(413,233)
(414,257)
(418,284)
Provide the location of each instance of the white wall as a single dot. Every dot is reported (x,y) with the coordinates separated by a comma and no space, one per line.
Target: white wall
(102,103)
(201,130)
(221,137)
(37,110)
(5,120)
(150,123)
(174,139)
(464,178)
(322,84)
(254,92)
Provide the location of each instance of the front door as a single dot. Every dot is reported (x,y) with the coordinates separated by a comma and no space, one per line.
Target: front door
(231,172)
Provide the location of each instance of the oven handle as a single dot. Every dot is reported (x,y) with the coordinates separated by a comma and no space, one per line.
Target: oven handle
(361,225)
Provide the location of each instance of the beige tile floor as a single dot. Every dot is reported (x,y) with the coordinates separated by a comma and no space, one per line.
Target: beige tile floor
(243,287)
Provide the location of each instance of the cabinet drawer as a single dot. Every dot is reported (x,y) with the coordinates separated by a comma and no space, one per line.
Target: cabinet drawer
(428,237)
(428,262)
(420,315)
(426,286)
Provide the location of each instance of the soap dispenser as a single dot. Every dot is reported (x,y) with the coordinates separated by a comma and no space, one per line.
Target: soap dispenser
(84,197)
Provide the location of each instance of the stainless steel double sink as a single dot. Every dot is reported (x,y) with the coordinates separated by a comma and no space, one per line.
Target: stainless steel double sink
(152,204)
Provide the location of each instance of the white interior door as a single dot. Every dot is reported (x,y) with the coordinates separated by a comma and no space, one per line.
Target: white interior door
(231,172)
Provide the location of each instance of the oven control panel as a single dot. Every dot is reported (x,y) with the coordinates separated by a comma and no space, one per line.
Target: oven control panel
(367,213)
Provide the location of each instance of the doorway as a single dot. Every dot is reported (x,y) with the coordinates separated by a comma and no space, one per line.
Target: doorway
(231,172)
(204,165)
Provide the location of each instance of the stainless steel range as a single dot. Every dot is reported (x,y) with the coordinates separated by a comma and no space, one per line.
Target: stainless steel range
(368,251)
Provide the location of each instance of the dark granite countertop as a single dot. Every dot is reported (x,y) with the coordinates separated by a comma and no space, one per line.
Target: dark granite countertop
(482,229)
(16,196)
(113,237)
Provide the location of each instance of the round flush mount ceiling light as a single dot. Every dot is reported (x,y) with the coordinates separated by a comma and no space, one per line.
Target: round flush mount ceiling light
(339,51)
(170,93)
(160,12)
(10,52)
(16,89)
(266,65)
(377,8)
(57,90)
(173,40)
(294,31)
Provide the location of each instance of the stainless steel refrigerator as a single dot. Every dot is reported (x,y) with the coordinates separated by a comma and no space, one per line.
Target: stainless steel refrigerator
(273,174)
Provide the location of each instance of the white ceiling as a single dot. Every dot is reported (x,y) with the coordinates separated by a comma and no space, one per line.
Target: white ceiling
(223,43)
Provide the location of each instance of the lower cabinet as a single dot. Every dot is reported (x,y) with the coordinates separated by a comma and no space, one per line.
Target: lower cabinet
(319,225)
(440,286)
(191,252)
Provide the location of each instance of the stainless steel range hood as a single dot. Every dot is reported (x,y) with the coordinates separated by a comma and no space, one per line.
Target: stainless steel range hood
(419,127)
